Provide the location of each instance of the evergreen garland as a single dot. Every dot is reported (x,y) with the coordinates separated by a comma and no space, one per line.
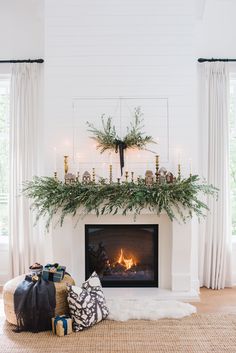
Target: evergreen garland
(107,137)
(179,199)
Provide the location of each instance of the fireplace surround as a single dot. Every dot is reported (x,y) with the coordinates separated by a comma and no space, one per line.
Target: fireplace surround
(177,254)
(123,255)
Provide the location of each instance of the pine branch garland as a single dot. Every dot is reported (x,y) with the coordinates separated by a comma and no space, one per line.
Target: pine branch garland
(179,200)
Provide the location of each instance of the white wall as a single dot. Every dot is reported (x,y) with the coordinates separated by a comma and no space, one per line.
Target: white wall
(21,29)
(216,31)
(113,48)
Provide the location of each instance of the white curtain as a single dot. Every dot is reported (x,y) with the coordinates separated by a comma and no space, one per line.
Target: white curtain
(215,247)
(25,244)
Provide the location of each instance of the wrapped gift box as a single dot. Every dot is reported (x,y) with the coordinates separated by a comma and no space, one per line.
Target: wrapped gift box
(62,325)
(53,272)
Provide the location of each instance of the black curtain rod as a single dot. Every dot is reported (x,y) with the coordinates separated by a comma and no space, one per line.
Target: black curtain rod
(39,61)
(202,60)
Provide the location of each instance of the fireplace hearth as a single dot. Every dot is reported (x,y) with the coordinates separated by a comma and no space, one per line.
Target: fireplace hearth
(122,255)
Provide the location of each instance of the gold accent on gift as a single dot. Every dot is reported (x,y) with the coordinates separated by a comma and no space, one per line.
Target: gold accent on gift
(35,278)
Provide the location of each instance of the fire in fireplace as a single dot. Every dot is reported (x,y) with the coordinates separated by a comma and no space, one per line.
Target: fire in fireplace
(122,255)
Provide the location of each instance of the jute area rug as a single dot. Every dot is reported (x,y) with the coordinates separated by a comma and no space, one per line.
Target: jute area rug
(203,333)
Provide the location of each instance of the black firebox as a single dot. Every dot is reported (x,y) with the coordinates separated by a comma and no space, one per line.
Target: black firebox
(122,255)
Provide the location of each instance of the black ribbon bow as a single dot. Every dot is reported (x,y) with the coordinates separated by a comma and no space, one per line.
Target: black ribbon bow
(121,146)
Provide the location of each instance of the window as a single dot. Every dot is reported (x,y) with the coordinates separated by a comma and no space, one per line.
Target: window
(4,157)
(233,150)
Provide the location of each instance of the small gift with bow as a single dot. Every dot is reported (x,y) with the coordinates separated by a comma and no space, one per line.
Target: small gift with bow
(61,325)
(53,272)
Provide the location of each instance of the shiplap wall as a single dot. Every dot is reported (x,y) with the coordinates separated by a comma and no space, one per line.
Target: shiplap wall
(120,48)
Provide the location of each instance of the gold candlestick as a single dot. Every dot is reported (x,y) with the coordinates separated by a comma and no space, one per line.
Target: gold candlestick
(179,171)
(126,176)
(110,173)
(66,166)
(132,177)
(77,177)
(157,168)
(93,175)
(55,175)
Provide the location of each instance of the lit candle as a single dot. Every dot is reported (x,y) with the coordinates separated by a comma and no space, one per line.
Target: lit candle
(55,158)
(78,159)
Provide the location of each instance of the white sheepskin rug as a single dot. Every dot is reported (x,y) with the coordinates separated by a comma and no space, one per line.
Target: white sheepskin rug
(124,309)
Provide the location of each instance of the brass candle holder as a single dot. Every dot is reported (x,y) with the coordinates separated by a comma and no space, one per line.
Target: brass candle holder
(126,176)
(77,176)
(179,171)
(157,168)
(93,175)
(132,177)
(66,165)
(110,173)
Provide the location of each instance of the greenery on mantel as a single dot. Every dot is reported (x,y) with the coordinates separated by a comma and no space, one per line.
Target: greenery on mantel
(180,199)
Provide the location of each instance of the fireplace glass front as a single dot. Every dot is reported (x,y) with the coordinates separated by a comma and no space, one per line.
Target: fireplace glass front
(122,255)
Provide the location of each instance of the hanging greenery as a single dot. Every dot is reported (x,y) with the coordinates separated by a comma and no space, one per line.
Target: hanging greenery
(180,199)
(108,139)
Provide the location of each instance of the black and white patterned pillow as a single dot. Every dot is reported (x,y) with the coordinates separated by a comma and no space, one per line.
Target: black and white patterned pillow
(87,304)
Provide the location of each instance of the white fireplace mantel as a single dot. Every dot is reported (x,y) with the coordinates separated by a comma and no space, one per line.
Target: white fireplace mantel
(177,248)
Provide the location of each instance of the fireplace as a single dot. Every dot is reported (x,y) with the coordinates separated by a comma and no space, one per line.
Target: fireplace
(122,255)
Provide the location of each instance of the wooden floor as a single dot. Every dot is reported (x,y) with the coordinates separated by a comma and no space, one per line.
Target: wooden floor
(217,301)
(212,301)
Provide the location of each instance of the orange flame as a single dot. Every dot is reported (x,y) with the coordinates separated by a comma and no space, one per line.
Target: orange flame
(127,263)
